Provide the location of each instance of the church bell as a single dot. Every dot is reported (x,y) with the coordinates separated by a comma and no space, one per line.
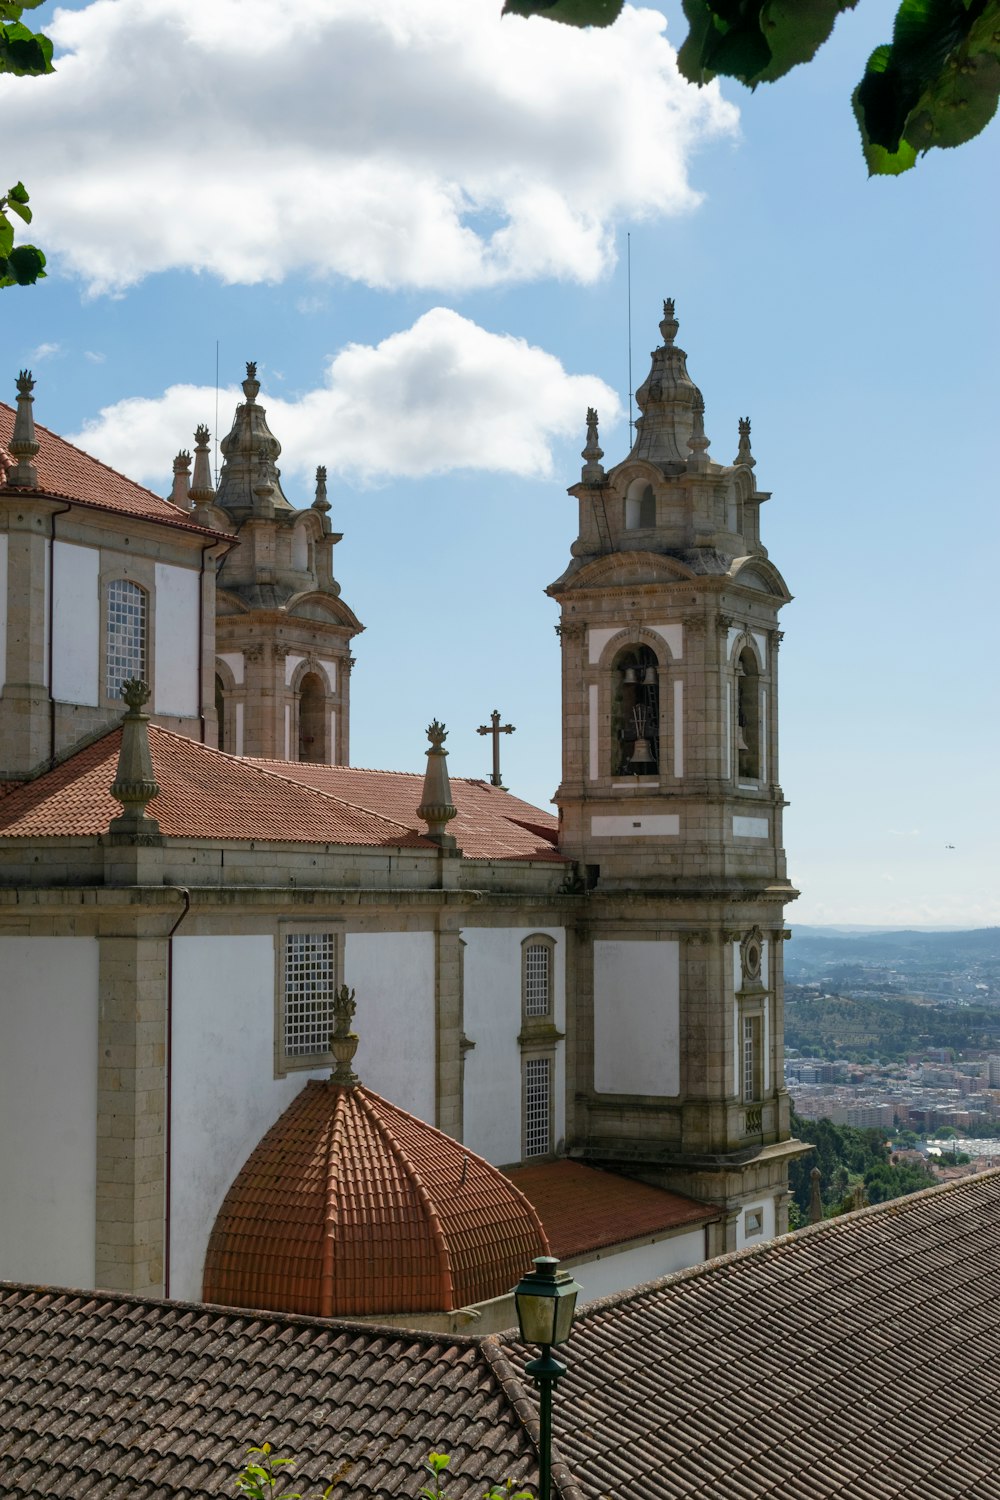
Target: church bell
(642,755)
(631,675)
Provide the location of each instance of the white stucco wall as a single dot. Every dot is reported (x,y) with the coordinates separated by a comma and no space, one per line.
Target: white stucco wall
(48,1109)
(393,975)
(765,1207)
(224,1092)
(177,664)
(76,622)
(3,608)
(492,1096)
(616,1271)
(637,1017)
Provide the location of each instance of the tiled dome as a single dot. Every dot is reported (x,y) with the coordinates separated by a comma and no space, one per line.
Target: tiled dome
(352,1207)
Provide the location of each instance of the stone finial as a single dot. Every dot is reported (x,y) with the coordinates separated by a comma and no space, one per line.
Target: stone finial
(593,469)
(815,1197)
(263,486)
(23,444)
(135,783)
(436,807)
(744,456)
(202,491)
(251,386)
(669,325)
(179,494)
(321,503)
(343,1041)
(698,442)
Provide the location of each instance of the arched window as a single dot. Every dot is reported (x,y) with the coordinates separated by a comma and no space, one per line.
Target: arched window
(640,506)
(748,716)
(125,648)
(635,713)
(300,549)
(312,719)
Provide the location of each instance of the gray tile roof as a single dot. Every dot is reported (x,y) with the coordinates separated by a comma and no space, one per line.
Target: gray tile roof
(858,1359)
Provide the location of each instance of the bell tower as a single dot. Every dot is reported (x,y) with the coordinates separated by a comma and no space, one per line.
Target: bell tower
(671,808)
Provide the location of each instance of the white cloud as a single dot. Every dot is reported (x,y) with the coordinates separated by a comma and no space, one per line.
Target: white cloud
(45,351)
(94,356)
(403,144)
(444,394)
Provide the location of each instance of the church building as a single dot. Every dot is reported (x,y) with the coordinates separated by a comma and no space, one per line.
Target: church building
(572,1024)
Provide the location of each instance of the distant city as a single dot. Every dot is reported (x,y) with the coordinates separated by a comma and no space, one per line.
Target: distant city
(898,1031)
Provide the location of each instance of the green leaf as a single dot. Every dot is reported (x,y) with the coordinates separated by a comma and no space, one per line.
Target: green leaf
(795,30)
(691,57)
(570,12)
(26,265)
(6,235)
(19,193)
(21,209)
(956,106)
(24,53)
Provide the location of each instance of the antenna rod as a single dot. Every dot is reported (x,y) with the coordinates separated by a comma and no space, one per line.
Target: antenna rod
(217,414)
(631,423)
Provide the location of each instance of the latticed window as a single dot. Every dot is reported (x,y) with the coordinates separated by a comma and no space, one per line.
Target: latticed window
(537,979)
(310,985)
(126,635)
(537,1106)
(751,1059)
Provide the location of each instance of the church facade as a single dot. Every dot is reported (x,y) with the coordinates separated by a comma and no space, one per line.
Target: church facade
(182,895)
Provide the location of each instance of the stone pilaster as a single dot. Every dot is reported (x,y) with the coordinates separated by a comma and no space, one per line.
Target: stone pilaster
(450,1026)
(25,709)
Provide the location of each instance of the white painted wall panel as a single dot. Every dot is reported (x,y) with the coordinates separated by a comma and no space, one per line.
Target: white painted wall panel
(333,738)
(239,729)
(673,634)
(492,1098)
(760,641)
(234,661)
(597,639)
(592,726)
(292,664)
(624,826)
(225,1095)
(46,615)
(76,620)
(3,609)
(177,664)
(330,668)
(48,1109)
(637,1017)
(766,1208)
(678,726)
(750,828)
(393,974)
(288,731)
(610,1273)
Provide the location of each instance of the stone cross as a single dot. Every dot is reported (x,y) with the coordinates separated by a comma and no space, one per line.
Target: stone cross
(496,729)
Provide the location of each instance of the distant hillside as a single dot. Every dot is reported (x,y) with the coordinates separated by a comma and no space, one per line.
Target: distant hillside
(831,945)
(861,1030)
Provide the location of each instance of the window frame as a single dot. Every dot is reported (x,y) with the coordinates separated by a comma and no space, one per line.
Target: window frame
(533,1017)
(108,582)
(292,1062)
(547,1057)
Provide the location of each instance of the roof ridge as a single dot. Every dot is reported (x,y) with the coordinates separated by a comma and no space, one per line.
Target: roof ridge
(118,473)
(447,1279)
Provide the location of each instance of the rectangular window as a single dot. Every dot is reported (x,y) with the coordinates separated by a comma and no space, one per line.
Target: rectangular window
(537,1106)
(126,634)
(537,969)
(754,1222)
(310,985)
(751,1059)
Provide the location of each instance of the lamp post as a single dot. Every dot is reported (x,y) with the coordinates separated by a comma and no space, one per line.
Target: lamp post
(545,1299)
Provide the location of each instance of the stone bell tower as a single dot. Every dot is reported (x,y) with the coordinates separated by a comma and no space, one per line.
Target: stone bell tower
(671,808)
(283,633)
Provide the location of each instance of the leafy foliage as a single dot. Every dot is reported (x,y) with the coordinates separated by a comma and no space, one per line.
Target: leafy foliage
(857,1029)
(260,1480)
(854,1166)
(24,53)
(936,84)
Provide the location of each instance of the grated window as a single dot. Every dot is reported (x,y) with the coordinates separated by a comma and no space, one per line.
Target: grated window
(536,980)
(750,1087)
(537,1106)
(310,985)
(126,644)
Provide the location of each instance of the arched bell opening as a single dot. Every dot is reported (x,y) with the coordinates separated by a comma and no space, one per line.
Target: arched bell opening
(640,506)
(220,710)
(748,716)
(312,719)
(635,713)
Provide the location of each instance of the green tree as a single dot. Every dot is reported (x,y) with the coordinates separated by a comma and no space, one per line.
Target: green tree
(24,53)
(935,84)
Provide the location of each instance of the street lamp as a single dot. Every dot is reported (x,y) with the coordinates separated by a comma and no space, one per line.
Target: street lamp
(545,1299)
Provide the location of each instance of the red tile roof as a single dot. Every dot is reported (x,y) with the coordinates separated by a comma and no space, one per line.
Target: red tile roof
(70,474)
(491,824)
(586,1209)
(209,794)
(350,1205)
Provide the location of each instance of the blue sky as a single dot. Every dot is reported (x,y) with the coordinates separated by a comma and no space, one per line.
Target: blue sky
(413,216)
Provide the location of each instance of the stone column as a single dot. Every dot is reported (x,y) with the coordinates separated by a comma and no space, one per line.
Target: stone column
(25,711)
(450,1023)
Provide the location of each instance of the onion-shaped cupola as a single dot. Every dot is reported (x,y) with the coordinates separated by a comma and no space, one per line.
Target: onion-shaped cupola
(351,1207)
(250,454)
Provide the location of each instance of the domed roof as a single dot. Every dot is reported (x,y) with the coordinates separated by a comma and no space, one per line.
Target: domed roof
(352,1207)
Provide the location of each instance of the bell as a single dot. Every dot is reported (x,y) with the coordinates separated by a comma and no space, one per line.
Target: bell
(649,677)
(642,755)
(631,675)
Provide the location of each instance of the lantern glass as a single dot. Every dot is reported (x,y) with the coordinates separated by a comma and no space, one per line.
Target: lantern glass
(546,1301)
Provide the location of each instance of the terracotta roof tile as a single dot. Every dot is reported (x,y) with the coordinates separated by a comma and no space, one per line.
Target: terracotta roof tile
(490,823)
(70,474)
(351,1206)
(209,794)
(132,1399)
(583,1208)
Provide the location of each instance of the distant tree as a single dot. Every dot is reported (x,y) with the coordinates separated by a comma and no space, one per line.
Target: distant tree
(24,53)
(935,84)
